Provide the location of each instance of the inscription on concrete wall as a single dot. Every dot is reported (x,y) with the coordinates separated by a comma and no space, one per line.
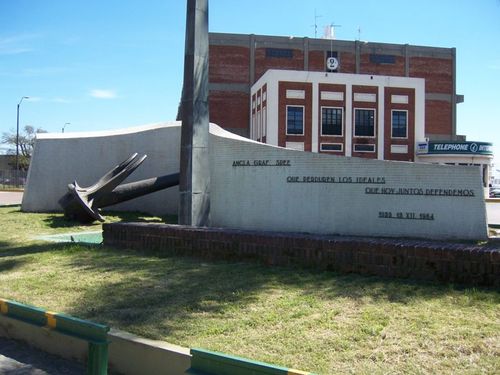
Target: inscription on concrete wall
(261,163)
(261,187)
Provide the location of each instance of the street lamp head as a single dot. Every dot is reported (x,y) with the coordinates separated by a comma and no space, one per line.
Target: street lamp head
(68,123)
(24,97)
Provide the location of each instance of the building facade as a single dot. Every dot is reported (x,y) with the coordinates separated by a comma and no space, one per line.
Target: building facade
(371,116)
(238,61)
(352,98)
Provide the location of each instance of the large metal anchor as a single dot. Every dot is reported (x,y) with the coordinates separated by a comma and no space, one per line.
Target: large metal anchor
(84,203)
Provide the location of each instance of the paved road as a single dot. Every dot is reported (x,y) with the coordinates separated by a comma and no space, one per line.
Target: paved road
(19,359)
(493,213)
(10,197)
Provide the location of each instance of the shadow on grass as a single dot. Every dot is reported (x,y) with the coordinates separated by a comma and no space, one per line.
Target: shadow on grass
(10,264)
(57,220)
(168,293)
(12,250)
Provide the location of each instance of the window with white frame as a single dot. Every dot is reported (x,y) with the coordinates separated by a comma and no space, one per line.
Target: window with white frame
(264,121)
(331,147)
(331,121)
(294,120)
(399,124)
(253,130)
(364,122)
(364,148)
(257,126)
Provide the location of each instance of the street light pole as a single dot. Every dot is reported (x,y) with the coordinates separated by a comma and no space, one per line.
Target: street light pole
(17,140)
(68,123)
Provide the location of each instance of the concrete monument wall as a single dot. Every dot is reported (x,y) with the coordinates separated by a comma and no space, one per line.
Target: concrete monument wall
(262,187)
(59,159)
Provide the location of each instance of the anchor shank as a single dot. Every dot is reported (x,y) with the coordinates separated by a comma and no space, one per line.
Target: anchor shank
(136,189)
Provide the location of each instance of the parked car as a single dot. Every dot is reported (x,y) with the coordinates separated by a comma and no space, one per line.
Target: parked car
(495,193)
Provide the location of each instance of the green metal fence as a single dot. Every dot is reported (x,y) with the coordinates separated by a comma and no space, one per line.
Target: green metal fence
(205,362)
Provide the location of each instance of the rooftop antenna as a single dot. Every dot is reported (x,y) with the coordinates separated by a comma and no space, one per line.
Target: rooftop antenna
(316,24)
(330,31)
(359,32)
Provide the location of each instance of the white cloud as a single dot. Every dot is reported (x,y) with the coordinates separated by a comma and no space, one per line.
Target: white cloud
(13,45)
(103,94)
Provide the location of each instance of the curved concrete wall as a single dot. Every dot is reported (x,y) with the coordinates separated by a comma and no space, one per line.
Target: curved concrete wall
(59,159)
(261,187)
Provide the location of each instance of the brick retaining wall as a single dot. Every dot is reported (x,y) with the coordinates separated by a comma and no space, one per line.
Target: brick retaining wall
(424,260)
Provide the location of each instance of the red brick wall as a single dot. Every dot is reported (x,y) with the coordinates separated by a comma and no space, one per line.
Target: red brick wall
(347,62)
(230,109)
(397,69)
(229,64)
(307,103)
(438,73)
(424,260)
(410,107)
(437,117)
(263,63)
(317,61)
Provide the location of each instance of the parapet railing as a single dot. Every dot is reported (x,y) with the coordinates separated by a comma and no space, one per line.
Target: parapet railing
(205,362)
(95,334)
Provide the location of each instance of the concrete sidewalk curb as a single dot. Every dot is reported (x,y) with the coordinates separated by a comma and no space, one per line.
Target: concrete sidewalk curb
(128,354)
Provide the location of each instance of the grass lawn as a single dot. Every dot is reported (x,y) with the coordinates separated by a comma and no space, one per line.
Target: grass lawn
(315,321)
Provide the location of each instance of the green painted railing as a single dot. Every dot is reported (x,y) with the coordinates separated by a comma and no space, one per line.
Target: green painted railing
(205,362)
(95,334)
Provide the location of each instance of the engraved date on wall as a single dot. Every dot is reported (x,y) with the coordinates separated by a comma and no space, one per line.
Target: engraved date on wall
(406,215)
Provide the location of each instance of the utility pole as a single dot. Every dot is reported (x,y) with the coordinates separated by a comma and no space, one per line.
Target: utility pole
(17,140)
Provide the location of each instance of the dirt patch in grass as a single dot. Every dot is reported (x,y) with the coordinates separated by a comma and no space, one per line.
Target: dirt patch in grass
(321,322)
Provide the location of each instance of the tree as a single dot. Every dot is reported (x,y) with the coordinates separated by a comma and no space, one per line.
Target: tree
(26,143)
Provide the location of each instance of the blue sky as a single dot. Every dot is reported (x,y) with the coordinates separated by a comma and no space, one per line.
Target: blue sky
(107,64)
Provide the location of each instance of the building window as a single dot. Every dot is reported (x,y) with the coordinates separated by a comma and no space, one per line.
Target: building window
(253,129)
(264,121)
(294,120)
(364,123)
(331,121)
(382,59)
(364,148)
(279,53)
(399,124)
(331,147)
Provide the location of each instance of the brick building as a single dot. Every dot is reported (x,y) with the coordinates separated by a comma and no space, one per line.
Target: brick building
(352,98)
(237,61)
